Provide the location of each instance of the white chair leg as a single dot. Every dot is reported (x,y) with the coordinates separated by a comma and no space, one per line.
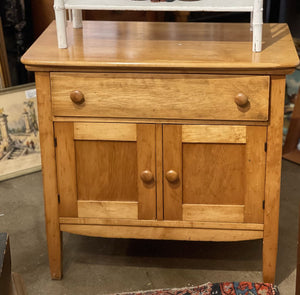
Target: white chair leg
(251,21)
(60,17)
(257,25)
(77,18)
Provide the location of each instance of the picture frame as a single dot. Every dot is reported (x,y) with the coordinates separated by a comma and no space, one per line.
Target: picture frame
(19,132)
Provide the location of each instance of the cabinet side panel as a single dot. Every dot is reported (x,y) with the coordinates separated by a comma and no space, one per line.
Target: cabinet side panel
(49,173)
(172,155)
(66,169)
(273,175)
(146,162)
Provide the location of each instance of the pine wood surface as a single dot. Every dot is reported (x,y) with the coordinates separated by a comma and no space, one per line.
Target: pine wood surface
(106,170)
(146,161)
(273,175)
(150,96)
(105,131)
(163,223)
(54,238)
(66,168)
(159,171)
(213,134)
(108,209)
(172,160)
(198,74)
(161,233)
(255,173)
(207,47)
(214,174)
(213,213)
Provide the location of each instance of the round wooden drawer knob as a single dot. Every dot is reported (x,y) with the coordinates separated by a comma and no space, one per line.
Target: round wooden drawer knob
(172,176)
(241,99)
(77,97)
(147,176)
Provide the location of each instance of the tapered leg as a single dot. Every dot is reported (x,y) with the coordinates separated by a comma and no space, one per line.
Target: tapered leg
(49,174)
(257,25)
(77,18)
(60,17)
(273,175)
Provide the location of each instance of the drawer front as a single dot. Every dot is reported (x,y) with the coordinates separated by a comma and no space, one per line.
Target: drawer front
(166,96)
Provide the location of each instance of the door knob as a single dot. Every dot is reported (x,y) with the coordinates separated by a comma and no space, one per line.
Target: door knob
(172,176)
(77,97)
(147,176)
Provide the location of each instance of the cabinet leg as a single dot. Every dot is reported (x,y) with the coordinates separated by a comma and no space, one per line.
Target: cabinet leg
(269,259)
(55,253)
(273,176)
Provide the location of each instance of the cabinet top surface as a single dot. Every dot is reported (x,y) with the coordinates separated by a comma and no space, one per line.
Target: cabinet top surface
(165,46)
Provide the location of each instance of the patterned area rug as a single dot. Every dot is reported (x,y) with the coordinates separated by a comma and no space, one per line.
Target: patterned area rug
(228,288)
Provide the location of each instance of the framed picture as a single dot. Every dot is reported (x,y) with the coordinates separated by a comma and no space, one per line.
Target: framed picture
(19,132)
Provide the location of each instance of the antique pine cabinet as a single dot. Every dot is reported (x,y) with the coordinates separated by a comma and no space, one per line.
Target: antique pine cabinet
(162,131)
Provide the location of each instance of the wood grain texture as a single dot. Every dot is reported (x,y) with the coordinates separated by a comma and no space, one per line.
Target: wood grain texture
(66,169)
(213,213)
(164,223)
(214,174)
(49,174)
(255,166)
(112,95)
(161,233)
(213,134)
(159,171)
(106,170)
(273,175)
(108,209)
(172,160)
(158,121)
(104,131)
(224,48)
(146,161)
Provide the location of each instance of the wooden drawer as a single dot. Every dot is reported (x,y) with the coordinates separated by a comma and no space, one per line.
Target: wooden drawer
(168,96)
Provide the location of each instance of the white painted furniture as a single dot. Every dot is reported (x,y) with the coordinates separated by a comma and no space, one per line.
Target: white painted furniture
(255,7)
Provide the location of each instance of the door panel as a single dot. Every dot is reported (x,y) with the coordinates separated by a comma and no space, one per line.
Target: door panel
(99,170)
(213,173)
(106,170)
(220,172)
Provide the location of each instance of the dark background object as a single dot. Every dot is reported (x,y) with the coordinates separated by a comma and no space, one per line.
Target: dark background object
(17,29)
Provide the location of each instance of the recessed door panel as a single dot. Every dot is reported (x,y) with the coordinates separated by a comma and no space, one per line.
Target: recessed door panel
(220,172)
(106,170)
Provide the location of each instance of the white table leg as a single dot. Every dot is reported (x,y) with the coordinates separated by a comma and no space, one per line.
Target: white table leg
(77,18)
(257,25)
(60,17)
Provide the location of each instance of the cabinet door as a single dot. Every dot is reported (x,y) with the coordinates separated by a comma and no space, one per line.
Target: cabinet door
(214,173)
(106,170)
